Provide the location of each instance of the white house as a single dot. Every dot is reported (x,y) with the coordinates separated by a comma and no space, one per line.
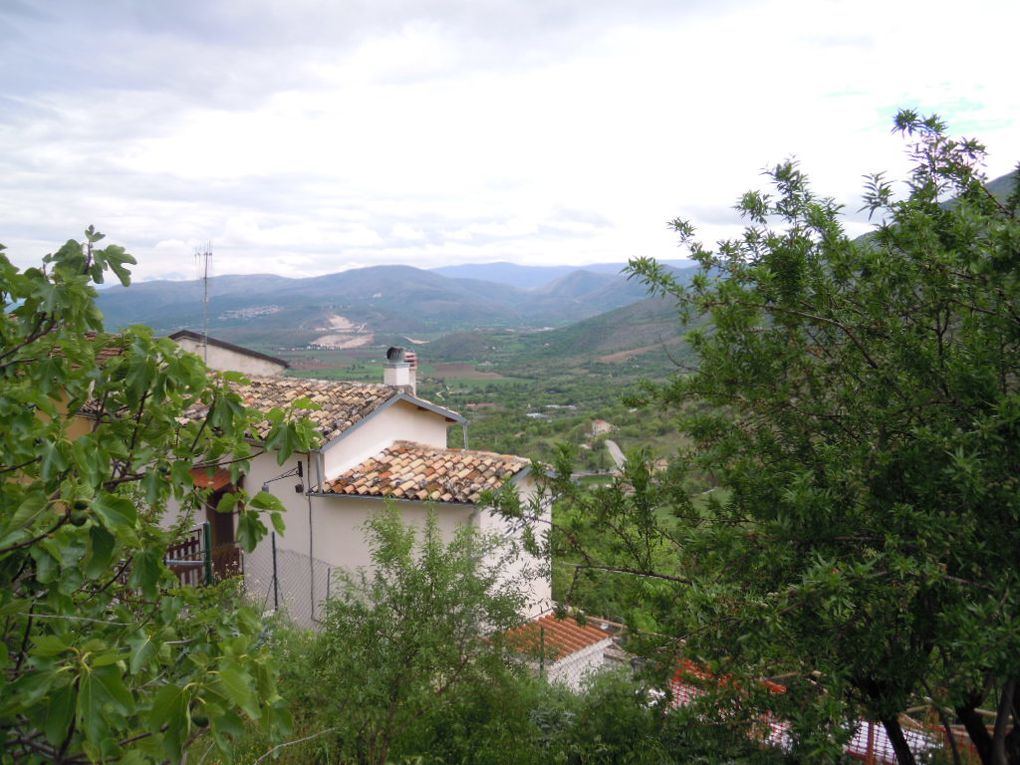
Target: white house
(223,356)
(378,443)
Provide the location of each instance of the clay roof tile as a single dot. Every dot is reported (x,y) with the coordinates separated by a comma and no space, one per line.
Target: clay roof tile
(428,473)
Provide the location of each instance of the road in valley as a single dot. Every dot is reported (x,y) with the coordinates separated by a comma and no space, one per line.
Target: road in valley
(616,453)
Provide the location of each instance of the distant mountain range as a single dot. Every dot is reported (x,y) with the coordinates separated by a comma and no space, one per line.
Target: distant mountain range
(348,309)
(533,277)
(592,310)
(646,328)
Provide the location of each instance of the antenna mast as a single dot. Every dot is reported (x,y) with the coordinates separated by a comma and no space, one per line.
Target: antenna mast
(203,259)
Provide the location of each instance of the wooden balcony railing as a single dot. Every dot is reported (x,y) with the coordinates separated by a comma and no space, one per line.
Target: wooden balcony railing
(196,561)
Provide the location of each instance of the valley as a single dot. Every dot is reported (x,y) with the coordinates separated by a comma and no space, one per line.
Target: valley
(531,355)
(526,392)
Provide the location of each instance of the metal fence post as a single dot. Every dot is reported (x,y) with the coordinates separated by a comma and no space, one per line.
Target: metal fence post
(207,553)
(276,585)
(541,651)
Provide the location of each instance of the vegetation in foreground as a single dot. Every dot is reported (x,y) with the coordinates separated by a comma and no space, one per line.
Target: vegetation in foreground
(859,401)
(103,657)
(410,667)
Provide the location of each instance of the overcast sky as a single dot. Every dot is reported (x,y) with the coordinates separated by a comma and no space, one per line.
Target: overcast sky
(303,137)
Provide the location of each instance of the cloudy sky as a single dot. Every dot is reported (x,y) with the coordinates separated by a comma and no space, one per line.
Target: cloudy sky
(308,136)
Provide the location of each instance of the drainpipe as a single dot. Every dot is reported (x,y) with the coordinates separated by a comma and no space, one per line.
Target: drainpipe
(311,530)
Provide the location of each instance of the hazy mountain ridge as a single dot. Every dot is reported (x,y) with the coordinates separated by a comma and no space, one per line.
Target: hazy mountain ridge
(267,310)
(648,326)
(534,277)
(464,309)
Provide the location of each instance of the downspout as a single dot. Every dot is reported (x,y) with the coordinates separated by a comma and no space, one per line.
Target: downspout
(463,428)
(311,530)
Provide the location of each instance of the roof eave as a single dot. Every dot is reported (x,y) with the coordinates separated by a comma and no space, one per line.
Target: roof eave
(228,346)
(404,500)
(449,414)
(421,403)
(521,474)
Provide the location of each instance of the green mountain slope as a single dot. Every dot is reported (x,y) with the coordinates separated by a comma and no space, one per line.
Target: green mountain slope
(1002,187)
(648,329)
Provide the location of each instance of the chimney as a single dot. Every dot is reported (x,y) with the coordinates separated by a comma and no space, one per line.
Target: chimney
(401,369)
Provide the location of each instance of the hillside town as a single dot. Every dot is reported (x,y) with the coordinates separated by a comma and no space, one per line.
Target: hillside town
(472,382)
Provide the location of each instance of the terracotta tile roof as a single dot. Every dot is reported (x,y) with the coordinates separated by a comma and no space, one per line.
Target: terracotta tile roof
(114,346)
(206,478)
(108,352)
(558,638)
(342,404)
(408,470)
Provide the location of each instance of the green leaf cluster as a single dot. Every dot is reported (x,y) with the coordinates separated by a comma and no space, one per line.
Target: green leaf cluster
(103,656)
(410,666)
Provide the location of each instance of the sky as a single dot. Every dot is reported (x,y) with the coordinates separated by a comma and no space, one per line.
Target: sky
(303,137)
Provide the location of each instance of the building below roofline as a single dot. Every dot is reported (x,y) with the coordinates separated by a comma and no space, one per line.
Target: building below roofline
(377,443)
(227,357)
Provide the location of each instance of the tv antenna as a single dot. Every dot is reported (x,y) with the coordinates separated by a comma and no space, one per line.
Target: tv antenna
(202,260)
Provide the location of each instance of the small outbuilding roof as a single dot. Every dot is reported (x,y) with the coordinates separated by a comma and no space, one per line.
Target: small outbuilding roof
(556,637)
(413,471)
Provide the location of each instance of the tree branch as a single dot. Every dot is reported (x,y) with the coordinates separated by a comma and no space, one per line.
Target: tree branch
(630,571)
(11,468)
(29,542)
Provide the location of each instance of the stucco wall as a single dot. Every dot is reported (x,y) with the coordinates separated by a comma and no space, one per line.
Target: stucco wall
(226,360)
(332,531)
(537,571)
(402,421)
(573,669)
(338,526)
(264,468)
(326,537)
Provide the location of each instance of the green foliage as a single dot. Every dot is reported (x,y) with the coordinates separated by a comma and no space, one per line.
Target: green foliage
(102,655)
(608,537)
(858,399)
(410,667)
(402,640)
(509,716)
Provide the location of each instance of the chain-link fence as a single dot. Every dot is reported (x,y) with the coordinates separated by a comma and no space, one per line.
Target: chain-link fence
(287,581)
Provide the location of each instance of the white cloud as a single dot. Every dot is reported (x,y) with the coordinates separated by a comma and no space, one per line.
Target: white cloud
(403,232)
(304,137)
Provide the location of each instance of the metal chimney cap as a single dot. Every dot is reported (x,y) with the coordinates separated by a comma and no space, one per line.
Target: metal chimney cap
(395,354)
